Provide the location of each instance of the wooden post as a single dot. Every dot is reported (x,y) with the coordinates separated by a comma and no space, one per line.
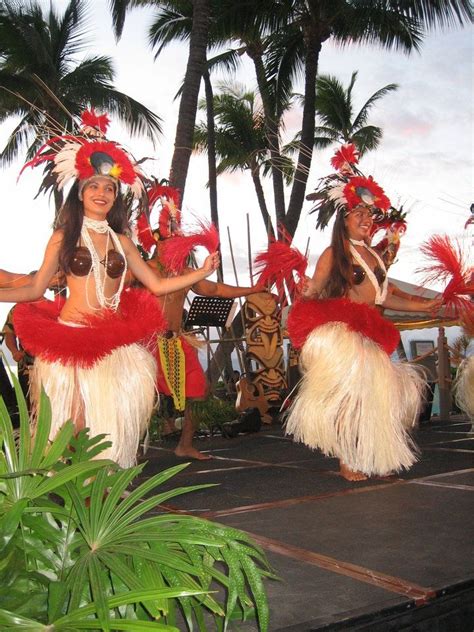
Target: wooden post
(443,376)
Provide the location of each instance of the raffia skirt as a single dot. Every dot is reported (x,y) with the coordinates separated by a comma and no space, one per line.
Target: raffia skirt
(353,402)
(464,386)
(100,367)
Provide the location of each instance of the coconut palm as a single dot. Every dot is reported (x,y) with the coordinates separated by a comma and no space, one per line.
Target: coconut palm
(335,110)
(173,21)
(45,87)
(284,40)
(196,67)
(241,141)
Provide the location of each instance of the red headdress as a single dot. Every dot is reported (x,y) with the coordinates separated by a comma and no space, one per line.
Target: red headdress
(79,157)
(348,188)
(174,247)
(394,224)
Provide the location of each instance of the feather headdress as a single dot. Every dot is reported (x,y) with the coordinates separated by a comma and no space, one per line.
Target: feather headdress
(174,247)
(348,188)
(70,158)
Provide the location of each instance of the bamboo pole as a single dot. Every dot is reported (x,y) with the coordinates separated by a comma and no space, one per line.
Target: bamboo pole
(239,353)
(249,250)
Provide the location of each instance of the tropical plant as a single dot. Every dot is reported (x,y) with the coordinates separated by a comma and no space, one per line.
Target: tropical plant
(88,554)
(44,85)
(241,140)
(198,33)
(335,111)
(173,21)
(284,40)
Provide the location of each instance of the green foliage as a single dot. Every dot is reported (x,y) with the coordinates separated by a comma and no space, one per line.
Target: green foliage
(80,551)
(214,412)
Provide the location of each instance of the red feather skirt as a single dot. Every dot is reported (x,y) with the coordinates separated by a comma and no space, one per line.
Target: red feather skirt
(364,319)
(36,324)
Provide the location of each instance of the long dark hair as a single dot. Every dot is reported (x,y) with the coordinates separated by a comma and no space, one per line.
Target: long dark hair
(340,277)
(70,222)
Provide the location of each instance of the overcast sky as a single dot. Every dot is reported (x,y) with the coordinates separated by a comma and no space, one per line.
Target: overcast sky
(425,160)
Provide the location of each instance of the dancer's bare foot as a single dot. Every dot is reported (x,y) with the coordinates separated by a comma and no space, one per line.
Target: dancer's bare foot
(351,475)
(192,453)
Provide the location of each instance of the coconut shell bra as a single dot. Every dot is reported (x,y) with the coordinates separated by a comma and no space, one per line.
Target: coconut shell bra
(359,274)
(81,263)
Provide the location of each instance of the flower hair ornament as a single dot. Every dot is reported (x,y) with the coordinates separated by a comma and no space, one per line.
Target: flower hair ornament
(174,246)
(69,158)
(347,189)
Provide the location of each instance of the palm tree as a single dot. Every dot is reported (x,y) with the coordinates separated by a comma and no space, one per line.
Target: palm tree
(241,141)
(173,21)
(335,110)
(285,37)
(193,24)
(46,88)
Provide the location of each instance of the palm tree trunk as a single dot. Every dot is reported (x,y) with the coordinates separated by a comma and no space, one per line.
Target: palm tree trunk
(267,220)
(211,157)
(271,126)
(211,149)
(188,105)
(307,133)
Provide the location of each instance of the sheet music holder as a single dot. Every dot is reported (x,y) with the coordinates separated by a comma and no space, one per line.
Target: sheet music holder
(211,311)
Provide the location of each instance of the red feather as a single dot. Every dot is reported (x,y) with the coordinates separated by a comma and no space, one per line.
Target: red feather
(449,267)
(101,122)
(278,263)
(346,155)
(145,234)
(139,318)
(305,316)
(174,252)
(158,191)
(42,155)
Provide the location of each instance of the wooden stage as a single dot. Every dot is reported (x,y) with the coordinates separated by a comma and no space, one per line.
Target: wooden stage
(378,555)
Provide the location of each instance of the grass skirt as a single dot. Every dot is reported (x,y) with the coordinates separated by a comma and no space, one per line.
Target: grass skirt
(96,372)
(464,386)
(353,402)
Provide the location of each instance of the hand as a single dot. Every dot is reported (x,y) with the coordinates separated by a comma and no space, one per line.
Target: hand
(304,286)
(211,263)
(260,286)
(434,305)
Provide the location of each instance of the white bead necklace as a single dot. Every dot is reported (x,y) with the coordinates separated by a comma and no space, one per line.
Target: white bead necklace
(100,272)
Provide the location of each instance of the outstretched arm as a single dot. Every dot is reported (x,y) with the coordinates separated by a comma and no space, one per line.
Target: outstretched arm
(160,286)
(13,279)
(212,288)
(399,300)
(37,284)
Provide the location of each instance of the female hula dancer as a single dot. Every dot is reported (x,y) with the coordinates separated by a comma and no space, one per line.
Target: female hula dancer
(88,357)
(353,402)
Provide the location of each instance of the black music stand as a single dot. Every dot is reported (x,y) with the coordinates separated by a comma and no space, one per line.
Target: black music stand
(210,311)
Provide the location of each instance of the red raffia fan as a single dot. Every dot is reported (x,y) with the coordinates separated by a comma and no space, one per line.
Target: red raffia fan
(449,267)
(277,266)
(174,252)
(145,234)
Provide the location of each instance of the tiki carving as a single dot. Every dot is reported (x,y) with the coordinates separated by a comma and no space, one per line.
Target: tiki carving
(265,349)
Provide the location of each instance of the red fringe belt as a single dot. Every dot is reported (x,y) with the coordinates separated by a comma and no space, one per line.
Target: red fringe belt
(364,319)
(36,324)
